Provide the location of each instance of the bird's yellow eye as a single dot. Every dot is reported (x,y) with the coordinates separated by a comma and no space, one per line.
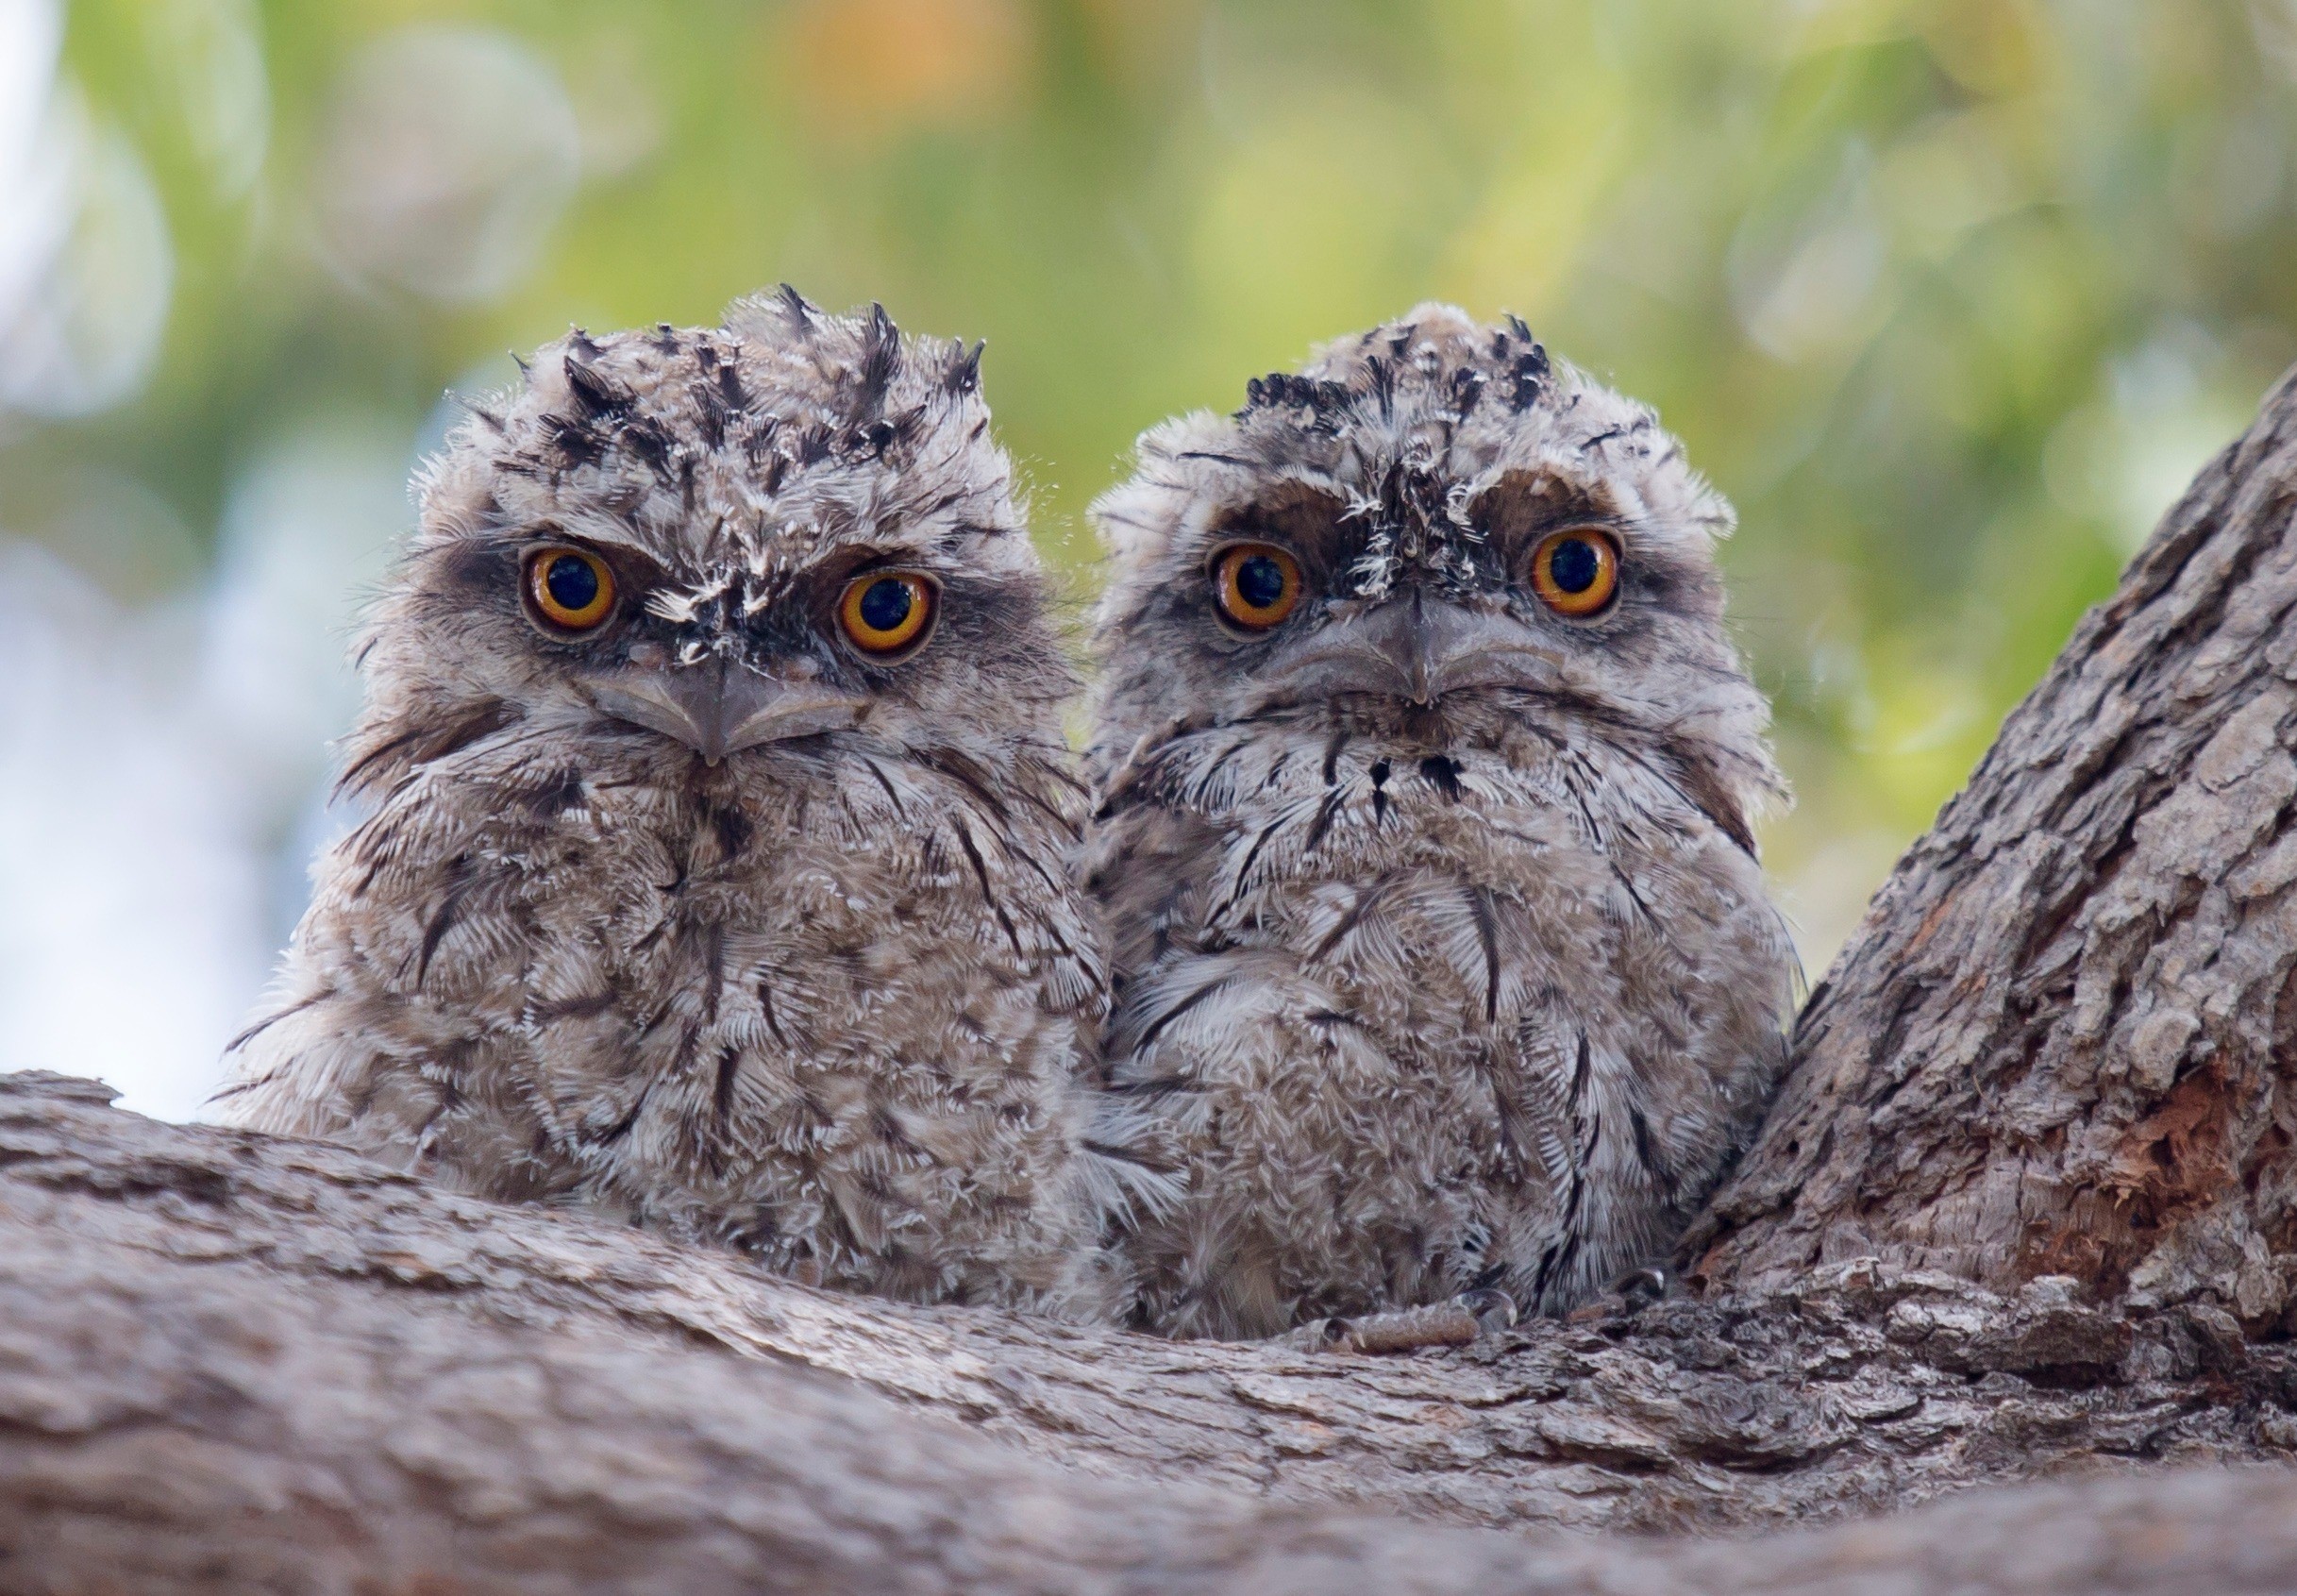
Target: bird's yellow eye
(569,590)
(1576,572)
(1256,584)
(885,613)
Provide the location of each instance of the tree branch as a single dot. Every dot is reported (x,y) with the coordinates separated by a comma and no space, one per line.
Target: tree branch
(229,1363)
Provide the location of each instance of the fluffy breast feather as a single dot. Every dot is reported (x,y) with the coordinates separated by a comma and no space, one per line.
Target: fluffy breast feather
(1413,1022)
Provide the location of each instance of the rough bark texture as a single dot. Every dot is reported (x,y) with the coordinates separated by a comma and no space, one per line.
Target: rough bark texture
(230,1363)
(2025,1210)
(2056,1044)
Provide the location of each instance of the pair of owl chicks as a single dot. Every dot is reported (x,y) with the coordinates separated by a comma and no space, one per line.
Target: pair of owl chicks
(727,869)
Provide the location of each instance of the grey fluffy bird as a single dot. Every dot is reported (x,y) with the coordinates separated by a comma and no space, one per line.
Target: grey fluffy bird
(714,877)
(1427,773)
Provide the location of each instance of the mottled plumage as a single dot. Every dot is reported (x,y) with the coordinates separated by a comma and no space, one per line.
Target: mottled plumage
(1442,957)
(707,917)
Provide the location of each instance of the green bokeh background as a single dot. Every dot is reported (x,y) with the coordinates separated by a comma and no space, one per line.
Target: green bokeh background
(1949,298)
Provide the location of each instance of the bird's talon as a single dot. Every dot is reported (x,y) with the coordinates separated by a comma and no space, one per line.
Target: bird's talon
(1492,1309)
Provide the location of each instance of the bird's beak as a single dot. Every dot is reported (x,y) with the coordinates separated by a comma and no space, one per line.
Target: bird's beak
(1414,649)
(719,707)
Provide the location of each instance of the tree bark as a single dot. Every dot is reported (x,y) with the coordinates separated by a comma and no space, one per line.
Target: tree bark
(2057,1043)
(2025,1209)
(231,1363)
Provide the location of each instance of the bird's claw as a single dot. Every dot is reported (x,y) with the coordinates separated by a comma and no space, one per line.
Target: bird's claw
(1632,1292)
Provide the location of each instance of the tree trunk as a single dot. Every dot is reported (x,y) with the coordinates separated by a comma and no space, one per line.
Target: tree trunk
(2055,1045)
(2024,1208)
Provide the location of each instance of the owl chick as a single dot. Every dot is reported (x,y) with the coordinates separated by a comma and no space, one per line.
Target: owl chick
(715,873)
(1442,959)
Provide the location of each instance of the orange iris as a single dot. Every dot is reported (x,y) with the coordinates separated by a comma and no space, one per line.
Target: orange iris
(1576,572)
(1256,584)
(887,612)
(570,589)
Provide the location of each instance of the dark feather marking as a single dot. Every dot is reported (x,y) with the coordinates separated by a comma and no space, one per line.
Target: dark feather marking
(713,959)
(485,719)
(1528,377)
(269,1020)
(1700,787)
(1332,757)
(722,1098)
(732,829)
(1467,392)
(1510,1114)
(1325,810)
(1644,1154)
(882,782)
(1561,1252)
(1383,377)
(597,394)
(765,1007)
(1153,1086)
(560,794)
(584,1007)
(816,445)
(1204,781)
(889,1131)
(961,769)
(650,442)
(376,755)
(793,306)
(1244,871)
(964,373)
(981,873)
(444,917)
(1632,896)
(1487,932)
(880,359)
(1208,454)
(1443,774)
(1155,1028)
(1111,1150)
(1283,389)
(576,444)
(1347,922)
(621,1127)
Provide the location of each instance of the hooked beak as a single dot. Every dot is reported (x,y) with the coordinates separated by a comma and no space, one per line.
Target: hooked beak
(718,707)
(1416,650)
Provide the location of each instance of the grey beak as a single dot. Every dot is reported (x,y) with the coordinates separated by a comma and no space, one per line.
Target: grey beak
(718,707)
(1414,649)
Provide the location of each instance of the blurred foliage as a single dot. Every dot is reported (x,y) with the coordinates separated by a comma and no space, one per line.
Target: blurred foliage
(1950,297)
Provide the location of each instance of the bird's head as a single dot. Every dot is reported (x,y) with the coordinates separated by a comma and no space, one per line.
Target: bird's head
(1432,531)
(791,532)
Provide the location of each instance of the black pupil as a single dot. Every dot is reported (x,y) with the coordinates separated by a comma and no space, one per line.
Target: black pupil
(1574,566)
(1260,582)
(885,604)
(572,583)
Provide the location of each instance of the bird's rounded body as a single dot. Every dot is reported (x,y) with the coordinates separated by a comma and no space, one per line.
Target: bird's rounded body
(1422,985)
(709,921)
